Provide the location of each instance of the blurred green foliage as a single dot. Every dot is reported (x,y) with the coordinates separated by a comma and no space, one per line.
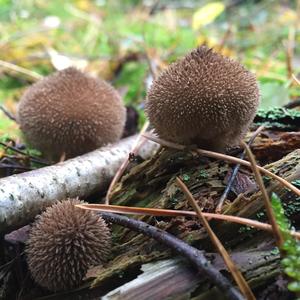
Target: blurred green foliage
(290,248)
(41,35)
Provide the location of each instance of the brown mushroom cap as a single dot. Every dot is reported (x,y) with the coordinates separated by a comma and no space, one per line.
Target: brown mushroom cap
(63,243)
(205,99)
(70,112)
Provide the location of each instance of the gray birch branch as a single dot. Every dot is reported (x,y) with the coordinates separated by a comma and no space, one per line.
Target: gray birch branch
(23,196)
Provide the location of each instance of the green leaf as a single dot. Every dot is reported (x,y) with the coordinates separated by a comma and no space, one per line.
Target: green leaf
(291,247)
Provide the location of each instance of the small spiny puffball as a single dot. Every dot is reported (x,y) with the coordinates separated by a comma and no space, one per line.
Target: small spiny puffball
(63,243)
(72,113)
(205,99)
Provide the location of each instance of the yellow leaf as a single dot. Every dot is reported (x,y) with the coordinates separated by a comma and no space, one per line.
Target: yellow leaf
(207,14)
(83,5)
(287,17)
(209,41)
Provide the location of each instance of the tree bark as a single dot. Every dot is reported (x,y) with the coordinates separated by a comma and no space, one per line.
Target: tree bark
(23,196)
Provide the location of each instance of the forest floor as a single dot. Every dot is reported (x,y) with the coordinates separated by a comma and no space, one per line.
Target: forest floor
(124,43)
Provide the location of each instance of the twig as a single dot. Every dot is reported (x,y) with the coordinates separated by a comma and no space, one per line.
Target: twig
(223,157)
(152,65)
(7,166)
(296,79)
(138,143)
(290,52)
(194,255)
(8,114)
(21,70)
(292,104)
(165,143)
(236,274)
(34,159)
(7,264)
(269,210)
(140,140)
(235,171)
(153,7)
(225,38)
(295,176)
(159,212)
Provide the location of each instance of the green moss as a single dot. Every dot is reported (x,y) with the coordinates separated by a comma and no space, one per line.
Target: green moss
(278,118)
(260,215)
(185,177)
(203,174)
(292,208)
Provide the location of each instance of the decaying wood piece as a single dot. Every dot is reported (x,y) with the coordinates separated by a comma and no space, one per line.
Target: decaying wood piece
(272,146)
(152,184)
(195,256)
(159,280)
(281,135)
(249,206)
(174,278)
(24,195)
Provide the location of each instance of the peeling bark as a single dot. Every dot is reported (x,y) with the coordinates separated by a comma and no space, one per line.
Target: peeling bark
(272,146)
(23,196)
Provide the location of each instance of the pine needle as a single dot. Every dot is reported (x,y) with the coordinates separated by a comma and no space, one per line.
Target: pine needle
(235,171)
(160,212)
(139,142)
(221,156)
(21,70)
(276,231)
(236,274)
(296,79)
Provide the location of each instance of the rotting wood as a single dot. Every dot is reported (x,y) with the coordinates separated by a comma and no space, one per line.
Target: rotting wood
(234,270)
(23,196)
(221,156)
(195,256)
(173,277)
(152,184)
(159,280)
(272,146)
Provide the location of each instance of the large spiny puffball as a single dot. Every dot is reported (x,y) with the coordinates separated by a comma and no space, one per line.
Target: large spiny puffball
(63,243)
(71,113)
(205,99)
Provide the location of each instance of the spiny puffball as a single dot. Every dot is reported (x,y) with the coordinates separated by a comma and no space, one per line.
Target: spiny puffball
(70,112)
(205,99)
(63,243)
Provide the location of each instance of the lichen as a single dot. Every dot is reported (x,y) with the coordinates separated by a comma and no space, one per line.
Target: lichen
(278,118)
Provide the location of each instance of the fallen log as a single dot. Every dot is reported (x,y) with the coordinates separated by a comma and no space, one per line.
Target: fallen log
(152,184)
(23,196)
